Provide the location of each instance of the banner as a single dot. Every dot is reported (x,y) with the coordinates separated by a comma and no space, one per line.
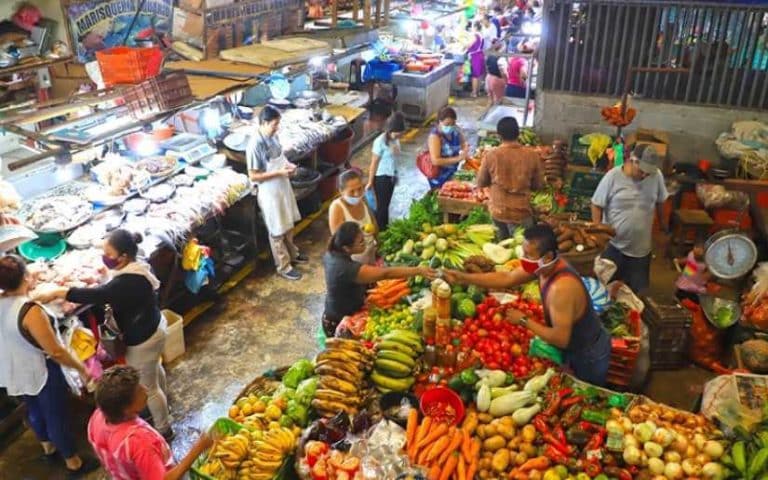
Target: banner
(97,24)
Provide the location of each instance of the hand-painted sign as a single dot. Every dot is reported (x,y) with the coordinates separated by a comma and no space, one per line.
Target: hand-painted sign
(97,24)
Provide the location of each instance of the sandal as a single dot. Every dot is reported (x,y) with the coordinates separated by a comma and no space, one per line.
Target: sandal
(89,464)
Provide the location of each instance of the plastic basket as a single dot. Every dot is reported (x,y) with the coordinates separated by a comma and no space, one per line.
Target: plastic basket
(129,65)
(380,71)
(157,95)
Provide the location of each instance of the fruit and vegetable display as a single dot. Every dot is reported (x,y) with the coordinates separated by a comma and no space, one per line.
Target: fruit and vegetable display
(577,237)
(387,293)
(464,190)
(341,367)
(528,137)
(395,363)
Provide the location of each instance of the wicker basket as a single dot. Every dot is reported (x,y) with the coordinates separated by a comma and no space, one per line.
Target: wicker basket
(264,384)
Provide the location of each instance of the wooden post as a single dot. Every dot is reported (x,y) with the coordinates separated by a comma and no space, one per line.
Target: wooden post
(355,9)
(334,13)
(367,13)
(386,13)
(377,18)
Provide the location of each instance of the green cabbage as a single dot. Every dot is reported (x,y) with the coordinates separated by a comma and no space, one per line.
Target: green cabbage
(299,371)
(285,392)
(531,291)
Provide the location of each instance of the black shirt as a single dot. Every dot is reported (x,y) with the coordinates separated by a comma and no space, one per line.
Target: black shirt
(345,296)
(134,305)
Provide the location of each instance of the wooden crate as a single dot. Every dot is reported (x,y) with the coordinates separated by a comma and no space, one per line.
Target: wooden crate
(213,29)
(668,327)
(455,206)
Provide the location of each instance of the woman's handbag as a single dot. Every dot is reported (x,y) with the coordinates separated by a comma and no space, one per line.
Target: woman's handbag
(110,336)
(425,165)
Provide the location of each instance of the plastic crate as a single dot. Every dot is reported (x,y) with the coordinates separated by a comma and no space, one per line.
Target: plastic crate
(129,65)
(669,332)
(624,354)
(378,71)
(159,94)
(585,183)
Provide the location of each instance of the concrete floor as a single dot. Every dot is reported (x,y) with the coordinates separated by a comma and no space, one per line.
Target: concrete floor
(267,321)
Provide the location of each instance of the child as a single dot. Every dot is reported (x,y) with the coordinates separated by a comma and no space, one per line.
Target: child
(694,276)
(382,174)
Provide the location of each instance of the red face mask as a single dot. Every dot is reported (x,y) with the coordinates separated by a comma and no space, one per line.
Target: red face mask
(529,266)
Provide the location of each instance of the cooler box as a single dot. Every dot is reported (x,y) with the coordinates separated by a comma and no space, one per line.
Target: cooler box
(174,341)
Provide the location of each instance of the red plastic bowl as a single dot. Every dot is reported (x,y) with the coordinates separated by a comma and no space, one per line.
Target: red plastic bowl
(442,395)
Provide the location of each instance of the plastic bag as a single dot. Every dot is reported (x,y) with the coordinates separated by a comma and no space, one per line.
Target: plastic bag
(716,196)
(370,198)
(735,400)
(706,346)
(604,270)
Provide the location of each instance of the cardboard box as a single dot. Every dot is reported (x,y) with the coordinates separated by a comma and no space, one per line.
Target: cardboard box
(656,138)
(188,27)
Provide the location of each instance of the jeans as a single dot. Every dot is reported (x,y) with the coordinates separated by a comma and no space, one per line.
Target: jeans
(284,251)
(591,365)
(384,186)
(507,230)
(47,412)
(145,358)
(633,271)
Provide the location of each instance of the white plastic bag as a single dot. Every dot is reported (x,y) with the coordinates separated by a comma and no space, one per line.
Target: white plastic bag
(736,399)
(621,293)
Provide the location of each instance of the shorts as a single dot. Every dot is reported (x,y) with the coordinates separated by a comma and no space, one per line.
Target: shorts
(635,272)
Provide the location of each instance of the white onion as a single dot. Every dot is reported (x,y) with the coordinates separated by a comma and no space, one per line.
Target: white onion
(653,449)
(672,457)
(713,449)
(656,466)
(712,471)
(691,468)
(673,470)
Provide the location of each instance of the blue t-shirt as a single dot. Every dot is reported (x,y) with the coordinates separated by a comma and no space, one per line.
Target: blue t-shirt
(387,156)
(628,206)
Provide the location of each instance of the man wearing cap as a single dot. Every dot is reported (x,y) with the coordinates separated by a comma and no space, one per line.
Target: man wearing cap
(626,199)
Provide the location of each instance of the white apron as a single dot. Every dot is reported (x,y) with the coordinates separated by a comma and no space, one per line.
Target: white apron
(277,201)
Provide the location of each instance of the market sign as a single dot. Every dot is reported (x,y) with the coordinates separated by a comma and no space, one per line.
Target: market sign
(97,24)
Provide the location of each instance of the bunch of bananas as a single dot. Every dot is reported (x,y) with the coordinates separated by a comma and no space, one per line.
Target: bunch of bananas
(396,357)
(226,456)
(528,137)
(341,367)
(266,453)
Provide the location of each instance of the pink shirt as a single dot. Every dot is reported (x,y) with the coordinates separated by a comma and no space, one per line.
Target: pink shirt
(131,450)
(692,280)
(515,66)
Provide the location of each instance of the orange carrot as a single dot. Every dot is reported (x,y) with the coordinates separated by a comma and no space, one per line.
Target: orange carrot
(461,469)
(466,446)
(537,463)
(440,446)
(450,466)
(475,451)
(472,468)
(434,472)
(437,432)
(421,432)
(410,431)
(455,442)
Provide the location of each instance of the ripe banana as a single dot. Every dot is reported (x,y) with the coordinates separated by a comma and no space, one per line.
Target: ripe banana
(334,396)
(337,384)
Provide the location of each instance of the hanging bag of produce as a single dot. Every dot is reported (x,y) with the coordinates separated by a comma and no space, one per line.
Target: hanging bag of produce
(425,165)
(110,336)
(540,348)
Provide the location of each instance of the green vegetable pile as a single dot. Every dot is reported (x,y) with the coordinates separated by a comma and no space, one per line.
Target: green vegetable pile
(298,389)
(424,211)
(615,320)
(478,216)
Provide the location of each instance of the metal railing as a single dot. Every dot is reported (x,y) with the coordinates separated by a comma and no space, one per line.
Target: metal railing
(687,52)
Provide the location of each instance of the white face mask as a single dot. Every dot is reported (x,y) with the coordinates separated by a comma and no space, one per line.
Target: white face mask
(352,200)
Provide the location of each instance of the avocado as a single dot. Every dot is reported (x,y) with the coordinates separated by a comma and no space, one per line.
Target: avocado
(435,263)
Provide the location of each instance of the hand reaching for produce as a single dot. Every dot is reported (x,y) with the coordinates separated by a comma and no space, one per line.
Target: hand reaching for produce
(514,316)
(47,296)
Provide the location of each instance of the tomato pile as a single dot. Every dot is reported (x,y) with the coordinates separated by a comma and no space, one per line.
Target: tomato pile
(498,343)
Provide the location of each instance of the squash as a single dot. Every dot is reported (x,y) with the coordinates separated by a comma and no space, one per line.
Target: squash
(754,353)
(498,255)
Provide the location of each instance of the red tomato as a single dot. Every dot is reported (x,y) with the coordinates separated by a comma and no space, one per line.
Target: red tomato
(482,308)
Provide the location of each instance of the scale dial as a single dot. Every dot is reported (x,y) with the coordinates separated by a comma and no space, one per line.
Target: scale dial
(730,256)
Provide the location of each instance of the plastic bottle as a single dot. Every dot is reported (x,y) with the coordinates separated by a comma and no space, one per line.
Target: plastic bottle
(429,324)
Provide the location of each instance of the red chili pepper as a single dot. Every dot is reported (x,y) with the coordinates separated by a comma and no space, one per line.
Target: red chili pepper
(564,392)
(560,435)
(553,404)
(595,442)
(555,455)
(571,415)
(592,468)
(619,473)
(570,401)
(554,382)
(540,424)
(591,427)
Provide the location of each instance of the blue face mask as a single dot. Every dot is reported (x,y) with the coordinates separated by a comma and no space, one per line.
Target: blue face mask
(352,200)
(447,129)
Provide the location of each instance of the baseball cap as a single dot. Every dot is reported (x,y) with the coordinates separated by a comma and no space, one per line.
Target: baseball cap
(649,161)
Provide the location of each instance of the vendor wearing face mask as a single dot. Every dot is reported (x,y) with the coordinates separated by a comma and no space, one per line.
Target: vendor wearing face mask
(571,323)
(131,293)
(352,207)
(270,170)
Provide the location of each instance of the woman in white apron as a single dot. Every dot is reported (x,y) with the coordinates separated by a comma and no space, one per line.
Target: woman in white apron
(352,207)
(270,171)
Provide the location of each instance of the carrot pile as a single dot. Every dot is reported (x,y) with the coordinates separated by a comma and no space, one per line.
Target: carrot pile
(388,293)
(447,452)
